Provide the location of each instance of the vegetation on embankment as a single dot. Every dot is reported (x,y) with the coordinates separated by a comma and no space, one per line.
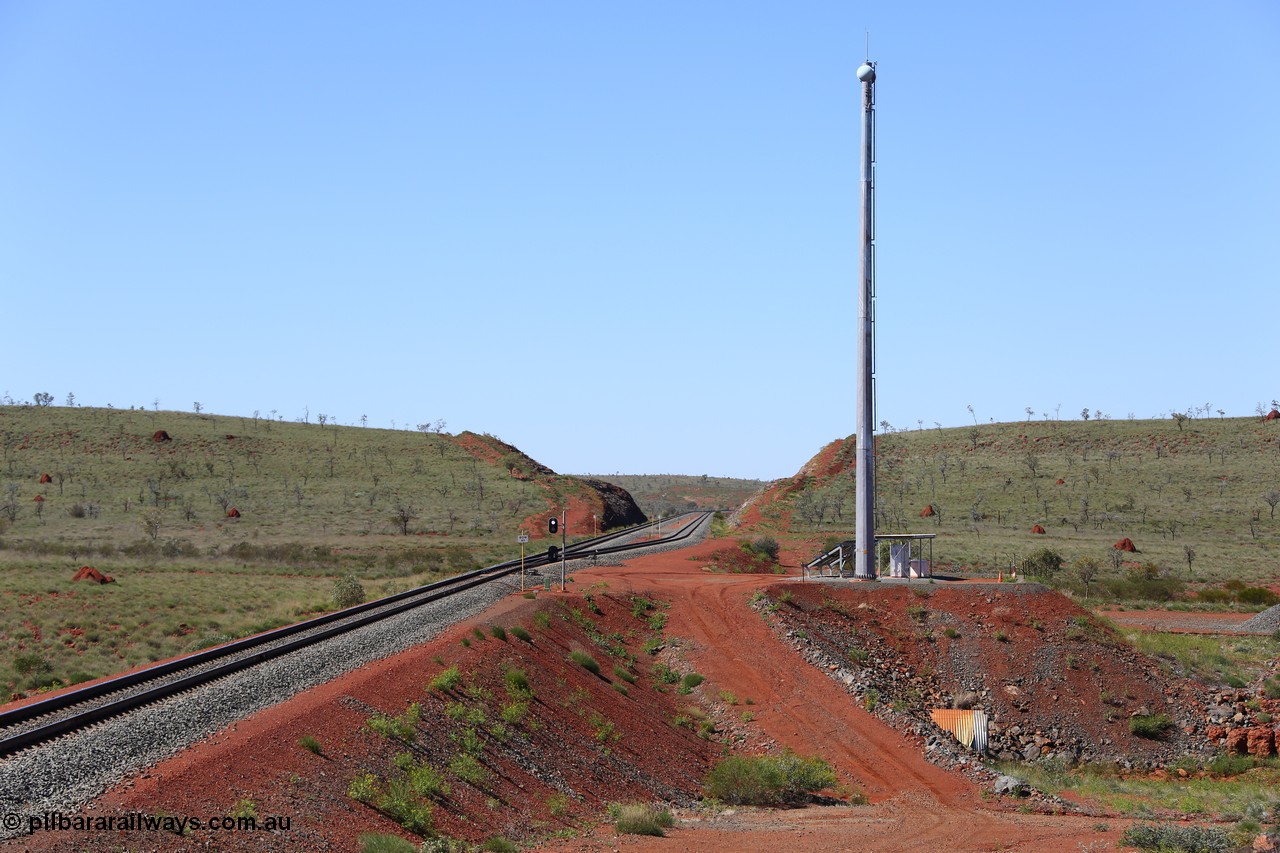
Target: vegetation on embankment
(1196,495)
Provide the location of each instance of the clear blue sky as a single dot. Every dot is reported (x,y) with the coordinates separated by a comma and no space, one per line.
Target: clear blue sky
(504,214)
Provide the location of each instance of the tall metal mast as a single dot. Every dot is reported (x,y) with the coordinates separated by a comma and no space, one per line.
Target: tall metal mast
(865,483)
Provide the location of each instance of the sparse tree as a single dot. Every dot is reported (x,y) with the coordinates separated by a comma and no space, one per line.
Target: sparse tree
(1031,413)
(972,415)
(403,515)
(1086,569)
(1190,554)
(10,508)
(43,398)
(1084,413)
(1272,498)
(1180,418)
(198,408)
(364,420)
(1032,462)
(152,520)
(71,399)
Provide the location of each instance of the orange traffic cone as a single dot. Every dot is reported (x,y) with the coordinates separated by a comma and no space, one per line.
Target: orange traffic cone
(1000,576)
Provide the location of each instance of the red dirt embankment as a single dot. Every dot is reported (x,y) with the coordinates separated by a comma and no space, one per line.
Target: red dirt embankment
(584,742)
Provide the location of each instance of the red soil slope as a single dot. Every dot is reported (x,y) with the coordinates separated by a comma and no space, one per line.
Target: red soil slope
(559,748)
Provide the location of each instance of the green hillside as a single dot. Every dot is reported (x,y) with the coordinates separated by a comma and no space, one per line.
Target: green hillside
(1200,488)
(234,525)
(666,494)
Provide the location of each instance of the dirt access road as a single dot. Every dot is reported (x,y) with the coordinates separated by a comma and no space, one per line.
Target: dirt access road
(914,805)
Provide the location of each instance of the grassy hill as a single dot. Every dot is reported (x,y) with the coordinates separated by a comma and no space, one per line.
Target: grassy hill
(666,494)
(215,527)
(1204,488)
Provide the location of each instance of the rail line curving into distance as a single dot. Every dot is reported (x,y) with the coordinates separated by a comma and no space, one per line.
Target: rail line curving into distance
(47,719)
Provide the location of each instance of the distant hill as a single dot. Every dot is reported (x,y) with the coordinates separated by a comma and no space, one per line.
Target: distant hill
(97,480)
(1204,488)
(666,494)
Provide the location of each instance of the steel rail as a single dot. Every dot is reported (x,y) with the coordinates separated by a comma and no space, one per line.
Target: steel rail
(313,630)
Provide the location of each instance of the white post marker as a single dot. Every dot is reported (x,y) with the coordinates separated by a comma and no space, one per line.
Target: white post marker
(523,539)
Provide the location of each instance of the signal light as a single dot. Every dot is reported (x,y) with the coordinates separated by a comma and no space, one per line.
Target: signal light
(553,525)
(553,553)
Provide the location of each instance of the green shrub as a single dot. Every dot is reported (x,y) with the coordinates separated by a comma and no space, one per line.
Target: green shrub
(514,713)
(767,546)
(1045,563)
(363,788)
(310,744)
(499,844)
(1152,726)
(665,674)
(378,842)
(640,819)
(425,780)
(1258,595)
(585,661)
(521,634)
(401,727)
(623,673)
(499,632)
(469,770)
(446,681)
(1171,838)
(399,803)
(518,684)
(31,663)
(690,681)
(347,592)
(768,779)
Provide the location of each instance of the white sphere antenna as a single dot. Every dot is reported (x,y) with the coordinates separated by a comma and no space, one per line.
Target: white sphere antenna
(866,73)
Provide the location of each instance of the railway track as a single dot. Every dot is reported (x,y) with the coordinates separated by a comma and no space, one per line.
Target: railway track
(39,722)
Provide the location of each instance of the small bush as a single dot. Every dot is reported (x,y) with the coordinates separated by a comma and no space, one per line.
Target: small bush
(378,842)
(585,661)
(347,592)
(310,744)
(469,770)
(640,819)
(401,727)
(514,713)
(363,788)
(1153,726)
(446,681)
(1043,563)
(499,844)
(768,779)
(1258,595)
(518,684)
(499,633)
(690,681)
(767,546)
(521,634)
(665,674)
(399,803)
(623,673)
(1170,838)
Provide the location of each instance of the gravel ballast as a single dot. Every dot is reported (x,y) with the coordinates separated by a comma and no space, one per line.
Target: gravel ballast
(68,772)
